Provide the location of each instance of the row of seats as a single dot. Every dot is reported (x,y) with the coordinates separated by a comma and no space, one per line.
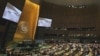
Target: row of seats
(62,48)
(58,48)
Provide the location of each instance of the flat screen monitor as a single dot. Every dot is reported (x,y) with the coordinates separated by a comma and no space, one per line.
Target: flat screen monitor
(11,13)
(44,22)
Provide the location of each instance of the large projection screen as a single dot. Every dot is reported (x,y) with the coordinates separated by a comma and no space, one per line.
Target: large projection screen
(44,22)
(11,13)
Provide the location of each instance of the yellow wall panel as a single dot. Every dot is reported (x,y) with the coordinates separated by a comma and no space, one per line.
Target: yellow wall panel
(27,25)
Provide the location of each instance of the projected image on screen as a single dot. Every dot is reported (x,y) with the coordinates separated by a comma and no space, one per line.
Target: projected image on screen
(44,22)
(11,13)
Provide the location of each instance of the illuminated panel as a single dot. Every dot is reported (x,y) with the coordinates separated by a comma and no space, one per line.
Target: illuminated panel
(44,22)
(11,13)
(29,17)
